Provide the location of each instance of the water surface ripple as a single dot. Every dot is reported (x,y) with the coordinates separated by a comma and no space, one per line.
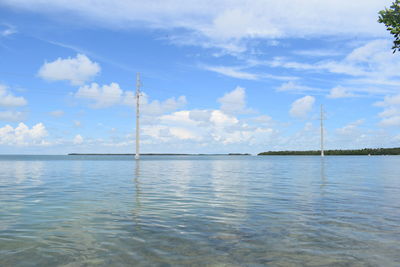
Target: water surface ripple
(196,211)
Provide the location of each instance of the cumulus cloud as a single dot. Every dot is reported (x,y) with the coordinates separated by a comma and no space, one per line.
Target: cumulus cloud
(102,96)
(75,70)
(167,133)
(205,127)
(78,140)
(7,99)
(9,115)
(350,128)
(391,121)
(340,92)
(200,115)
(234,102)
(210,127)
(389,101)
(390,116)
(302,106)
(156,107)
(22,135)
(263,119)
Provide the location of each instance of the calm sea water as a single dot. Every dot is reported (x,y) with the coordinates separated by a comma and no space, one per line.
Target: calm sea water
(196,211)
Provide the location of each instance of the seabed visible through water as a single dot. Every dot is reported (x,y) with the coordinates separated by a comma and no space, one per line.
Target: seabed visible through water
(188,210)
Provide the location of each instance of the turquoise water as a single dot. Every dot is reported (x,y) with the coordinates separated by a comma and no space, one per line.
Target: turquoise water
(196,211)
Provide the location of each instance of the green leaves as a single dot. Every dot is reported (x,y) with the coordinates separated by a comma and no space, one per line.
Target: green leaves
(391,18)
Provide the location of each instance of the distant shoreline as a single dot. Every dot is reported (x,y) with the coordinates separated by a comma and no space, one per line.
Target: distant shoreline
(338,152)
(156,154)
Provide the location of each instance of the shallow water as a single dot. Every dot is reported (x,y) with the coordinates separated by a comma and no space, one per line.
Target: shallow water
(187,210)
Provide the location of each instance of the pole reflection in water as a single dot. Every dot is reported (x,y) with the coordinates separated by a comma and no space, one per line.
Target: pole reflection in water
(323,175)
(137,206)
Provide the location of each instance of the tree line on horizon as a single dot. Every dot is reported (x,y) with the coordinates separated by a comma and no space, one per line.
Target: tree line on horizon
(337,152)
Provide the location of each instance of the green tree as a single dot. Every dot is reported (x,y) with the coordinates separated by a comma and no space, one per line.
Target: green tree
(391,18)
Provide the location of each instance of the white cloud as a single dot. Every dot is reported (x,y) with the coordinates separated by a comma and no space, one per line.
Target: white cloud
(234,102)
(372,63)
(206,127)
(391,121)
(22,135)
(78,139)
(182,133)
(9,115)
(224,22)
(391,113)
(292,86)
(302,106)
(75,70)
(7,30)
(156,107)
(200,115)
(220,119)
(7,99)
(262,119)
(211,127)
(110,95)
(57,113)
(317,53)
(237,72)
(340,92)
(350,128)
(389,101)
(103,96)
(167,133)
(233,72)
(180,118)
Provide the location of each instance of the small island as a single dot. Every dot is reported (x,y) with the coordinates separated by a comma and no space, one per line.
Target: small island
(338,152)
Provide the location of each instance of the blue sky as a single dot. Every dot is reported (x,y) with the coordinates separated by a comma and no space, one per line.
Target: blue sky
(218,76)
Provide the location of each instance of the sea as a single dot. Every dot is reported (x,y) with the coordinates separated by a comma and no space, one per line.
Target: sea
(199,211)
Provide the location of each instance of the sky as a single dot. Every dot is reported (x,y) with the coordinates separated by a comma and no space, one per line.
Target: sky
(217,76)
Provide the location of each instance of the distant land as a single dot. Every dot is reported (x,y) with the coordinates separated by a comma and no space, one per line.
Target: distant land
(347,152)
(156,154)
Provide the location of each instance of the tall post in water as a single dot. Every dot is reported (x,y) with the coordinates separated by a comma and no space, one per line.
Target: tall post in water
(322,131)
(137,115)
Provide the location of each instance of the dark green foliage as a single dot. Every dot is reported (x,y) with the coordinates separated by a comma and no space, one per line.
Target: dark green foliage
(391,18)
(365,151)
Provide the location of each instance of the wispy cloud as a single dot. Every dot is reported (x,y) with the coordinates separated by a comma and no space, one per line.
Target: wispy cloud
(224,22)
(7,30)
(239,73)
(233,72)
(317,53)
(295,87)
(390,116)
